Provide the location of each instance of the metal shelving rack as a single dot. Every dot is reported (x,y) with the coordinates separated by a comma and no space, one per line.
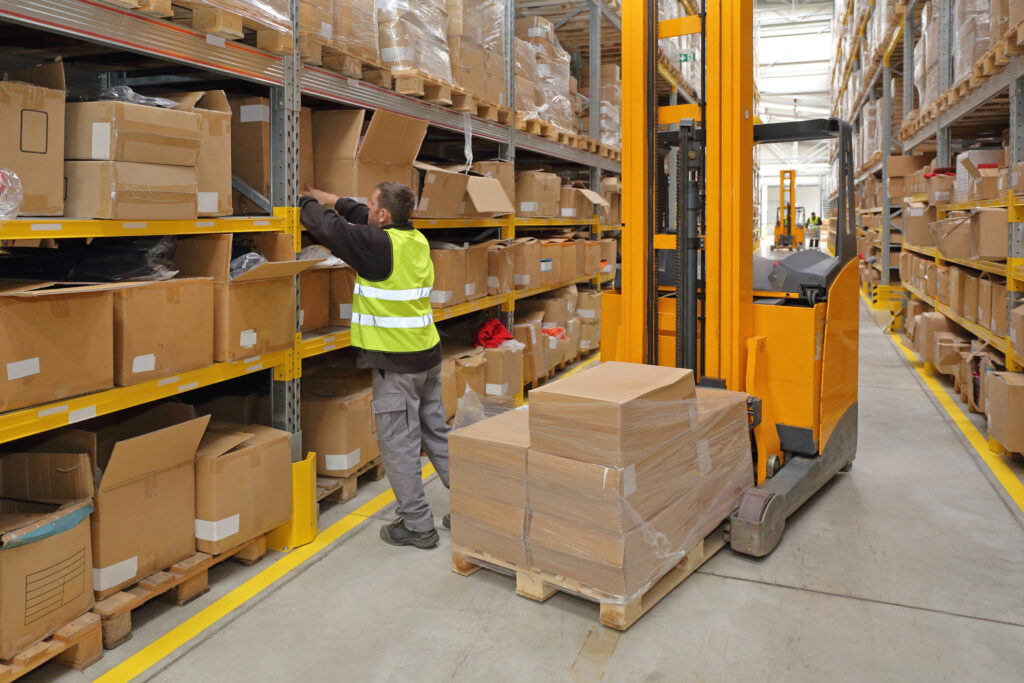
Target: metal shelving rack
(287,81)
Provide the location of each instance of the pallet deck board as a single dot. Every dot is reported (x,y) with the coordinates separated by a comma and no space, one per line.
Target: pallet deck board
(76,645)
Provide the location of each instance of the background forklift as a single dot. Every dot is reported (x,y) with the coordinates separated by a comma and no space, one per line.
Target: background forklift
(785,332)
(789,223)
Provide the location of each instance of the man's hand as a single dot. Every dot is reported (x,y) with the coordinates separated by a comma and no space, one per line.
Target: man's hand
(325,198)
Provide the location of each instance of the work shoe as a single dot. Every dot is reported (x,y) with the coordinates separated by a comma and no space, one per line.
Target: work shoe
(447,521)
(396,533)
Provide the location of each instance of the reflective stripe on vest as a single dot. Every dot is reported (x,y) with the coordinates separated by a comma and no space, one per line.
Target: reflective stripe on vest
(394,315)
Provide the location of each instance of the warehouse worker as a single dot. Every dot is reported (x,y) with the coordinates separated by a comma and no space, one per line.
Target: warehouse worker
(814,223)
(393,328)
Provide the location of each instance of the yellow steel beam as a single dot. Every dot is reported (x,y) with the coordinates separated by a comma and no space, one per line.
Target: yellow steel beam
(62,228)
(681,26)
(677,112)
(665,242)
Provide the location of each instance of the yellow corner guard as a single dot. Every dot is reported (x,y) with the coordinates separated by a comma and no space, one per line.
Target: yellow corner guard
(302,527)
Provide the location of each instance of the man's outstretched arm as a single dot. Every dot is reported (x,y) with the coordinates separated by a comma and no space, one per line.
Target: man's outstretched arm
(365,248)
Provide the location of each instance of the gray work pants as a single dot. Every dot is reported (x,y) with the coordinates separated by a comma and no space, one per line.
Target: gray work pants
(410,417)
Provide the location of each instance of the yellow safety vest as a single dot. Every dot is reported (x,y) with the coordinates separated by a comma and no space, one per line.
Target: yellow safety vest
(394,315)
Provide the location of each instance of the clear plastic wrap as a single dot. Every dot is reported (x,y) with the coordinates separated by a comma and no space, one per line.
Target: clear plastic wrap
(480,21)
(354,27)
(413,34)
(930,31)
(606,531)
(526,80)
(553,81)
(970,37)
(123,93)
(273,14)
(10,194)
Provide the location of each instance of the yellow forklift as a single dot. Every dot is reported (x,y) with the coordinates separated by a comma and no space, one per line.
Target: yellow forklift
(789,219)
(784,331)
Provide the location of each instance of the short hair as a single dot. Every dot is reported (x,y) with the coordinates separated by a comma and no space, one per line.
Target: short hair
(398,199)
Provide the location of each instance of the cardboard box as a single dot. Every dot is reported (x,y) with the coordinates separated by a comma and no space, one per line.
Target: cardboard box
(1017,330)
(953,237)
(956,289)
(476,271)
(970,304)
(989,234)
(589,306)
(315,299)
(352,166)
(590,335)
(462,368)
(125,190)
(537,194)
(946,354)
(342,287)
(572,331)
(144,516)
(57,342)
(442,191)
(900,166)
(924,336)
(997,312)
(504,371)
(338,424)
(916,221)
(940,189)
(449,277)
(967,165)
(897,188)
(534,360)
(941,284)
(45,558)
(931,279)
(528,261)
(250,149)
(162,329)
(32,112)
(254,312)
(1005,406)
(503,171)
(485,198)
(551,268)
(214,163)
(573,258)
(604,415)
(468,61)
(554,309)
(580,203)
(609,255)
(243,484)
(111,130)
(235,409)
(501,266)
(984,309)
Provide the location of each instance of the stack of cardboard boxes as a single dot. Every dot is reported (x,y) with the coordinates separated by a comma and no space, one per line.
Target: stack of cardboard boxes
(554,103)
(477,43)
(579,484)
(413,37)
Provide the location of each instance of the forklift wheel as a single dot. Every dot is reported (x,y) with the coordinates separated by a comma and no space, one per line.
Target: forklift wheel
(847,467)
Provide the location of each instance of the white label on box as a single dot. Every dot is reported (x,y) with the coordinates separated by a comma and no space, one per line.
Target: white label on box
(992,323)
(1013,335)
(438,297)
(587,313)
(219,530)
(424,203)
(207,202)
(703,457)
(248,338)
(188,386)
(980,318)
(546,265)
(548,326)
(568,213)
(302,316)
(100,141)
(535,33)
(629,481)
(134,225)
(606,268)
(326,30)
(345,311)
(115,574)
(496,389)
(343,461)
(470,289)
(53,410)
(144,363)
(216,41)
(586,344)
(397,54)
(492,282)
(46,227)
(23,368)
(552,343)
(916,211)
(526,207)
(86,413)
(253,368)
(501,99)
(521,278)
(533,334)
(254,112)
(168,380)
(942,196)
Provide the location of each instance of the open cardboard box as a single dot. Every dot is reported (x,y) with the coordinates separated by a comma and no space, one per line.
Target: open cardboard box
(214,162)
(581,203)
(446,192)
(254,313)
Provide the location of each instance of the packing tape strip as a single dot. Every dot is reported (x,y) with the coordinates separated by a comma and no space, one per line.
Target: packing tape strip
(23,368)
(219,530)
(115,574)
(496,389)
(342,461)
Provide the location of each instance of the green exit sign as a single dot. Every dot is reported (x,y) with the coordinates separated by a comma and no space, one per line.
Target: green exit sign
(688,56)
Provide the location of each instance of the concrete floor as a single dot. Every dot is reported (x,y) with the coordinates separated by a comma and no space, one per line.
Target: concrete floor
(907,568)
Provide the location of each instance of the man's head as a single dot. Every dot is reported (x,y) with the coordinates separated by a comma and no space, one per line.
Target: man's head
(391,204)
(812,214)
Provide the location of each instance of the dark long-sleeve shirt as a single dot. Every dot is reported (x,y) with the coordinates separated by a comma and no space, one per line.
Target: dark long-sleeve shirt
(366,248)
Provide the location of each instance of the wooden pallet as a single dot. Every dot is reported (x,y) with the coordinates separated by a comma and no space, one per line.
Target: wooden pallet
(180,584)
(540,585)
(494,112)
(464,102)
(351,64)
(343,489)
(535,126)
(219,22)
(416,83)
(76,645)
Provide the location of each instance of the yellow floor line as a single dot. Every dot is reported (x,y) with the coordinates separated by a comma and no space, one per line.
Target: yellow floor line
(1006,477)
(581,367)
(153,653)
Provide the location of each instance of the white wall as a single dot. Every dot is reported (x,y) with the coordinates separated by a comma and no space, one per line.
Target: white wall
(807,196)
